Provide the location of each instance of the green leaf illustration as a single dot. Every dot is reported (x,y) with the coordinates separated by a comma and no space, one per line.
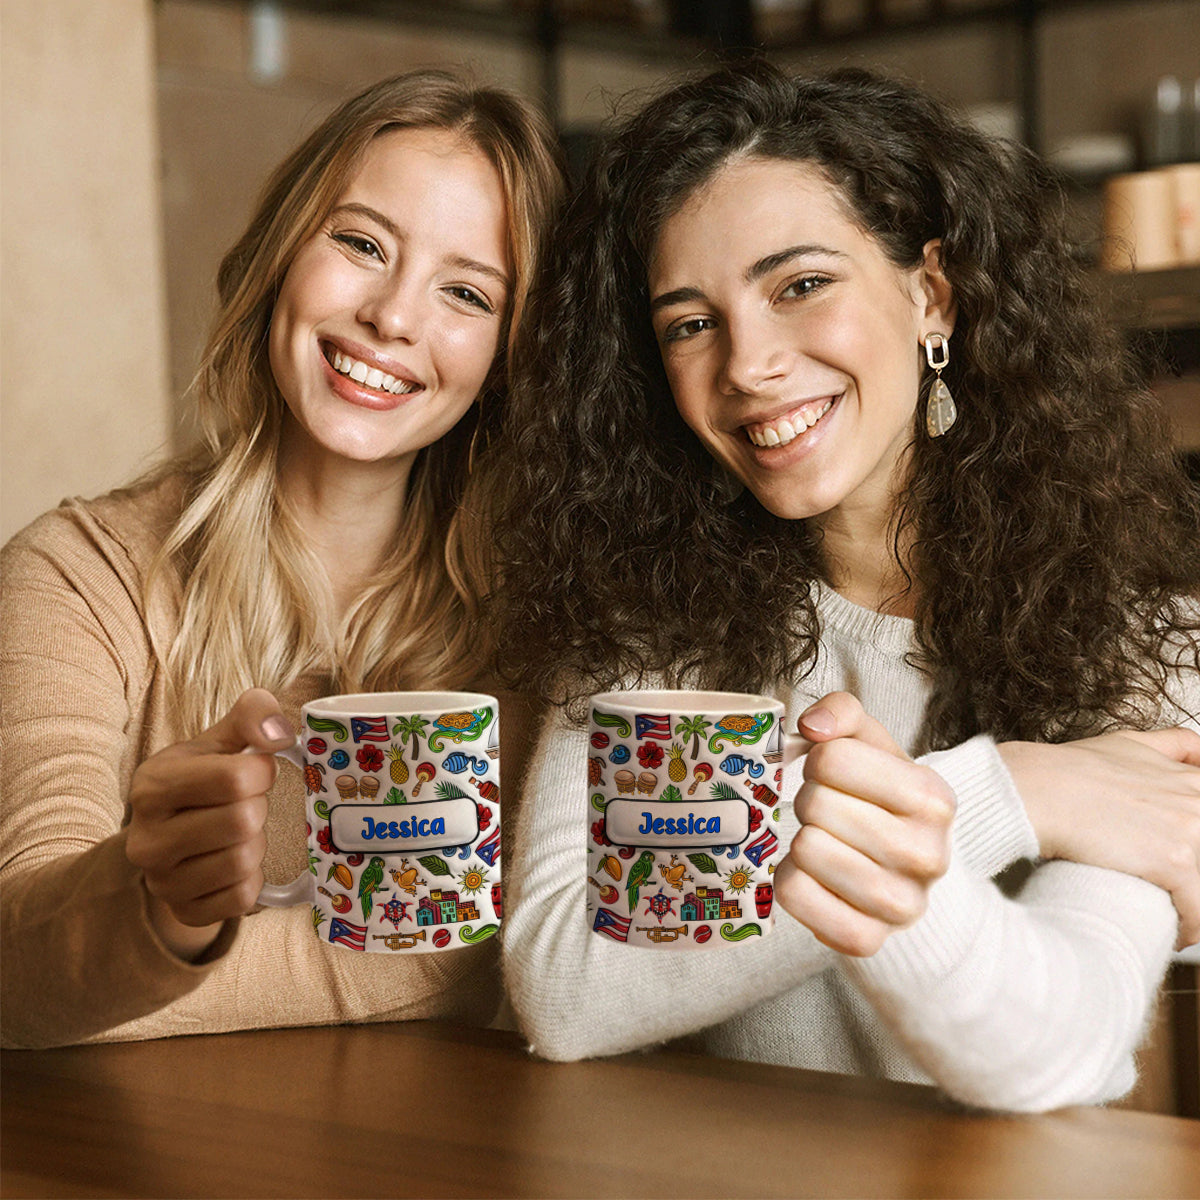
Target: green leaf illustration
(435,864)
(703,862)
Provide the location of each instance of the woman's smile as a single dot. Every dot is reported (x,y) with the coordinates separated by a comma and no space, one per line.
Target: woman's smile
(780,431)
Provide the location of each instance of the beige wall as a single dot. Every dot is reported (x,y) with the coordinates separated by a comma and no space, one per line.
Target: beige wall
(82,384)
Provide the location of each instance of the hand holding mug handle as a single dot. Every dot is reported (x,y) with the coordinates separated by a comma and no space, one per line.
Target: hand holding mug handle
(874,835)
(198,812)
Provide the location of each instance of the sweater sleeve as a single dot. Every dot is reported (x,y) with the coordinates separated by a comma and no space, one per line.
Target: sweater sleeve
(576,994)
(79,952)
(991,828)
(1031,1003)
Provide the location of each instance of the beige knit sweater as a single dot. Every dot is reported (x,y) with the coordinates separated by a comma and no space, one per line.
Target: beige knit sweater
(83,703)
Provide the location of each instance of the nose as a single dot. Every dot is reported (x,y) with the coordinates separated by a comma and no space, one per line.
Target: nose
(394,308)
(755,356)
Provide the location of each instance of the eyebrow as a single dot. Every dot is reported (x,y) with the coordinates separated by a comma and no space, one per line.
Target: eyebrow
(457,260)
(753,273)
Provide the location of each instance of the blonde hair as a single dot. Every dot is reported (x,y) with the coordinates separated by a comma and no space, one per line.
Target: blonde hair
(256,607)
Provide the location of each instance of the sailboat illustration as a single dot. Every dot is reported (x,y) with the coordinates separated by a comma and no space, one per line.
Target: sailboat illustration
(775,744)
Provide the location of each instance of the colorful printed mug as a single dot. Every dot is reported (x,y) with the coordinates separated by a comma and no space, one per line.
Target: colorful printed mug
(684,816)
(403,810)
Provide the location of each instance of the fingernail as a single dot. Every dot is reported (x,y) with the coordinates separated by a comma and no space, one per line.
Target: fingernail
(276,729)
(819,720)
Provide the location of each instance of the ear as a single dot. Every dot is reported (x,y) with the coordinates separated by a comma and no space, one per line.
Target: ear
(940,305)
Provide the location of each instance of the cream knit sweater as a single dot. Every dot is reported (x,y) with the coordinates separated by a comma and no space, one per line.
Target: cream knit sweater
(1027,1003)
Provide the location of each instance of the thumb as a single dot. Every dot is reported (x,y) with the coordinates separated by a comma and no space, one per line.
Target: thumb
(255,722)
(841,715)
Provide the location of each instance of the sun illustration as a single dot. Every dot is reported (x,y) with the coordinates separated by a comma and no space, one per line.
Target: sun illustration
(472,880)
(738,880)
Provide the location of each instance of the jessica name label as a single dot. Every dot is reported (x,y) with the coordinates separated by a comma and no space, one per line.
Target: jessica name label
(399,828)
(646,823)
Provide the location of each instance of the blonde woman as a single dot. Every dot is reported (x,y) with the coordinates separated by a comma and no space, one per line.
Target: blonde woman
(323,538)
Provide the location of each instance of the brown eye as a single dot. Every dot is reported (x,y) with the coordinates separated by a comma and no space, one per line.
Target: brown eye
(360,245)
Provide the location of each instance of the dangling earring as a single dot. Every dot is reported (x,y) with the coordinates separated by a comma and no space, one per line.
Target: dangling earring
(940,413)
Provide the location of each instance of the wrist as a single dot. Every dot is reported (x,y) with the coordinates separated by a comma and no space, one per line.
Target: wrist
(1022,759)
(188,942)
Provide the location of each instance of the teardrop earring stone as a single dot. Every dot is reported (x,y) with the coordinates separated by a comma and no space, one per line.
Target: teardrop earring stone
(940,412)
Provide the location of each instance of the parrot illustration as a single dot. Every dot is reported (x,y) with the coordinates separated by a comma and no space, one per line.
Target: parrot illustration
(639,874)
(368,884)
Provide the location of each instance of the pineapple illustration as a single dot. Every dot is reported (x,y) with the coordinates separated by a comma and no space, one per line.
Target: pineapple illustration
(676,770)
(399,768)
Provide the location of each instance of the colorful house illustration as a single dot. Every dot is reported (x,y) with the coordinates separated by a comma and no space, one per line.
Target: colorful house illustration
(708,904)
(444,908)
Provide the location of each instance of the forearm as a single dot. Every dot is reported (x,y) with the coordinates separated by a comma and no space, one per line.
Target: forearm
(80,954)
(1031,1004)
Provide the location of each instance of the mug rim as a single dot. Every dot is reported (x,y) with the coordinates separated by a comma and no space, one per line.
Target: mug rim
(385,704)
(684,700)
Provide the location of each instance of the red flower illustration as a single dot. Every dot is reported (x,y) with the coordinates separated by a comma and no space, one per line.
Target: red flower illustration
(598,833)
(485,815)
(325,839)
(370,758)
(650,755)
(755,818)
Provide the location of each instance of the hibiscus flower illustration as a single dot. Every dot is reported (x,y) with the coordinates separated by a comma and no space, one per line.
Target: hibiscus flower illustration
(650,755)
(485,815)
(598,833)
(325,839)
(370,758)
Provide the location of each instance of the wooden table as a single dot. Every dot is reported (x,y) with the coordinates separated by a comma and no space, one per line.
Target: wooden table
(423,1109)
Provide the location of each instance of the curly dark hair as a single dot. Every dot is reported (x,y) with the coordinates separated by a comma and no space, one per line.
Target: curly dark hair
(1055,538)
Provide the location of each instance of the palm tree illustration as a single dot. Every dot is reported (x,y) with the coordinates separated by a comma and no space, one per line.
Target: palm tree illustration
(693,727)
(409,727)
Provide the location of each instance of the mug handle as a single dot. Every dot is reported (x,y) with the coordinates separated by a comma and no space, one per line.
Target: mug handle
(284,895)
(795,745)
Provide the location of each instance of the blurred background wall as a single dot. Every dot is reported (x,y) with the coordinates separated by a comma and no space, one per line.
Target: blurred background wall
(136,136)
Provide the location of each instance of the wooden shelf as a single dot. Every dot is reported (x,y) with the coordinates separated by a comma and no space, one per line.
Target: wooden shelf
(1159,300)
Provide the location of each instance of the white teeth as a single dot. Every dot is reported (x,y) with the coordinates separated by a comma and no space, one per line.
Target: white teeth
(371,376)
(784,430)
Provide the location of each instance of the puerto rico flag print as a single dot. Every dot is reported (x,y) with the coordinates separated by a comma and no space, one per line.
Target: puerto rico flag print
(345,934)
(608,923)
(369,729)
(650,726)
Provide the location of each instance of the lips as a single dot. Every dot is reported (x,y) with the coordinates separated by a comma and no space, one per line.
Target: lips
(779,431)
(368,375)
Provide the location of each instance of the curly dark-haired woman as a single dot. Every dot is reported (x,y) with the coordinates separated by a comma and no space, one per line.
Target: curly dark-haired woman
(820,405)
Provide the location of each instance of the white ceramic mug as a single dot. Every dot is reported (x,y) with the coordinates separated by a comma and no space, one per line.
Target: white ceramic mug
(683,816)
(403,813)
